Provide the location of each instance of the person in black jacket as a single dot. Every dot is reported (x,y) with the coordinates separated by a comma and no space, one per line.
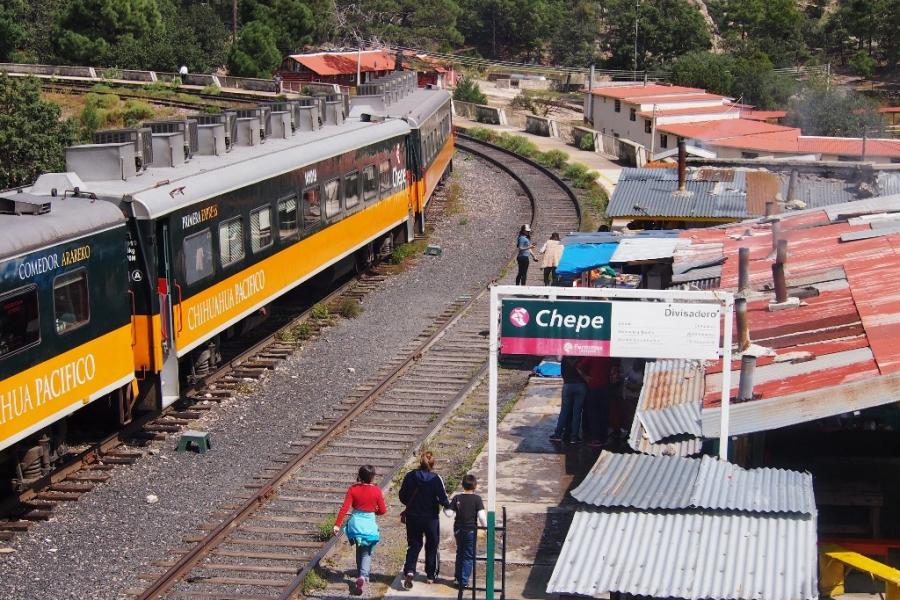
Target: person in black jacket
(423,493)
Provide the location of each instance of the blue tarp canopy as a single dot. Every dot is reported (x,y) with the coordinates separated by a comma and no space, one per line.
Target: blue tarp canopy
(577,258)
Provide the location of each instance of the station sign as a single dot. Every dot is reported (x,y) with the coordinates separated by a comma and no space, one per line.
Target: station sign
(602,328)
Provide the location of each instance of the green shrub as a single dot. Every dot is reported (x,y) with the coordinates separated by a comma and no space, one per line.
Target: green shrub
(211,90)
(517,143)
(102,100)
(91,119)
(136,111)
(468,90)
(555,159)
(574,171)
(348,308)
(404,252)
(101,88)
(597,199)
(586,142)
(319,311)
(482,133)
(313,582)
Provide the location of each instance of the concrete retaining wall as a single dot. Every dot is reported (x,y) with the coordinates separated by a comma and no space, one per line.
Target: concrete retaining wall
(463,109)
(490,115)
(580,137)
(65,71)
(541,126)
(132,75)
(200,79)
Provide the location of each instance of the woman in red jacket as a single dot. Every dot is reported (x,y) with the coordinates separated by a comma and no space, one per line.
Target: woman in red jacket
(367,501)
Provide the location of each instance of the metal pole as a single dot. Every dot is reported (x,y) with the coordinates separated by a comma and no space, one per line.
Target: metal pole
(590,118)
(726,378)
(492,445)
(234,21)
(637,11)
(358,67)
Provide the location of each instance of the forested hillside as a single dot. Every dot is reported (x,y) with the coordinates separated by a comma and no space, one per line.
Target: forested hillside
(162,34)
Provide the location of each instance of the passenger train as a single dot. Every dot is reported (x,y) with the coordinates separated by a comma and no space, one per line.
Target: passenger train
(120,277)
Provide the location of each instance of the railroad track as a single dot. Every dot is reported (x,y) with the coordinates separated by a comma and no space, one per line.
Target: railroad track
(266,541)
(222,100)
(91,466)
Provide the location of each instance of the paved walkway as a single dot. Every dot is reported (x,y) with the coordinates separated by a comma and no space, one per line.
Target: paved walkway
(609,170)
(533,479)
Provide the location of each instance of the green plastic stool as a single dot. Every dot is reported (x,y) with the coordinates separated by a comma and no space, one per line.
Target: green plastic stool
(198,438)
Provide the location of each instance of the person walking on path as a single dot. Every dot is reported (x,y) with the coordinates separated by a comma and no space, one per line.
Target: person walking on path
(367,501)
(525,251)
(422,493)
(467,511)
(574,390)
(552,251)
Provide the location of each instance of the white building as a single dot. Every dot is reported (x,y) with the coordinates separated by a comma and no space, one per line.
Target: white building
(656,115)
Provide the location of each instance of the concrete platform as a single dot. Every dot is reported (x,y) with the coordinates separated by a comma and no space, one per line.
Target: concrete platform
(533,480)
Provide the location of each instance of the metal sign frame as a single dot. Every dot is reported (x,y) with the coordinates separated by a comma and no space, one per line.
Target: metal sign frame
(725,300)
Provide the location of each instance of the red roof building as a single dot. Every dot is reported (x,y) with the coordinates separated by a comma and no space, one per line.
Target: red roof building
(337,67)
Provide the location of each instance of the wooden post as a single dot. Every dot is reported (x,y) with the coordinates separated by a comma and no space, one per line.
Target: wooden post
(778,272)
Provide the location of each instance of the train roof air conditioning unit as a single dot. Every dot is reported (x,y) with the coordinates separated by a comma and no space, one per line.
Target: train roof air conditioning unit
(261,114)
(227,118)
(168,149)
(186,127)
(102,162)
(248,131)
(23,203)
(141,137)
(212,140)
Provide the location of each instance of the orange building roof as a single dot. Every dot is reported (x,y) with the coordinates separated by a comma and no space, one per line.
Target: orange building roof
(344,63)
(638,91)
(791,141)
(723,128)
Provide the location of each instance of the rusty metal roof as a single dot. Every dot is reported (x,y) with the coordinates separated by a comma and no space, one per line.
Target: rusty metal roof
(671,399)
(689,554)
(672,446)
(835,352)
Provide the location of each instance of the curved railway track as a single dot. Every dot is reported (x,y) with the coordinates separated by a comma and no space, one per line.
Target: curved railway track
(267,541)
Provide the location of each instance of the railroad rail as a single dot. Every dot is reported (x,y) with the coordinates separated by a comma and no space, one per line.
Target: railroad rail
(268,540)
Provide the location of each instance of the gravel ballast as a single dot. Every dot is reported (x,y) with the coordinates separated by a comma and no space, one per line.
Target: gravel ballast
(96,547)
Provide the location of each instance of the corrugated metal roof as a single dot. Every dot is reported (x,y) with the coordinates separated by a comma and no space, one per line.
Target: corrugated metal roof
(671,399)
(688,554)
(639,481)
(673,446)
(659,198)
(673,482)
(726,486)
(643,248)
(888,182)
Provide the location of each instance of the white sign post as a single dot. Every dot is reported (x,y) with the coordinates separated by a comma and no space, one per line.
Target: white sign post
(603,322)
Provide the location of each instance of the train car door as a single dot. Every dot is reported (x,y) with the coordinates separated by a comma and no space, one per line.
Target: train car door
(167,287)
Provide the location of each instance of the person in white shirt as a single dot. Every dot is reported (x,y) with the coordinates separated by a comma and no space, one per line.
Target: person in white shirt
(552,251)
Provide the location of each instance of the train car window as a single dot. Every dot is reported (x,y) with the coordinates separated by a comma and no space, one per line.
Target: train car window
(288,217)
(370,184)
(351,189)
(384,173)
(198,256)
(71,308)
(231,241)
(20,324)
(312,208)
(332,197)
(261,228)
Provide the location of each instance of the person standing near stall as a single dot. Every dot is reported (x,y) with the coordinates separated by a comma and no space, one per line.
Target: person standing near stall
(552,251)
(525,251)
